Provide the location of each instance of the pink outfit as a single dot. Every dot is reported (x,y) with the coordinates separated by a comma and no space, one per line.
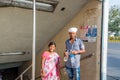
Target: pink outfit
(50,66)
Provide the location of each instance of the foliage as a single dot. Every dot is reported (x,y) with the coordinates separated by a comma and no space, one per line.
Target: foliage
(114,19)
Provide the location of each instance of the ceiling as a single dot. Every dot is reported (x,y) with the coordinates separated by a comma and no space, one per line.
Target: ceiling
(16,27)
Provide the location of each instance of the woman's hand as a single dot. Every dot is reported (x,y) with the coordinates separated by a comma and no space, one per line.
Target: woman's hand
(43,73)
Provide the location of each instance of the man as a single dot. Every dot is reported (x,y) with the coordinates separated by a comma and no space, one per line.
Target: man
(74,47)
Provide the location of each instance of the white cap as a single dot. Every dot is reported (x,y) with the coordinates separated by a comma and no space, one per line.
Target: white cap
(73,29)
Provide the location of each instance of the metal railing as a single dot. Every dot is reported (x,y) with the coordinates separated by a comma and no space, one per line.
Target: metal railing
(21,75)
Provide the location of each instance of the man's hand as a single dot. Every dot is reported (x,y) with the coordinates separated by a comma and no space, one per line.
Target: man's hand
(74,52)
(66,54)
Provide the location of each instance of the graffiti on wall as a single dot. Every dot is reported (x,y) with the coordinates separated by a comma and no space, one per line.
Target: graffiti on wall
(88,31)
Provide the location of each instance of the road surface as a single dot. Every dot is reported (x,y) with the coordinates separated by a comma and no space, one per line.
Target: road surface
(113,64)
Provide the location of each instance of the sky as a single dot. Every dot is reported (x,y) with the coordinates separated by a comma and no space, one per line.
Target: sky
(114,2)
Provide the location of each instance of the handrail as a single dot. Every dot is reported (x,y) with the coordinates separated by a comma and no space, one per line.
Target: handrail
(21,75)
(87,56)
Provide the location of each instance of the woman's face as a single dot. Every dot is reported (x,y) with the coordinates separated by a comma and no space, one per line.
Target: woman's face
(52,48)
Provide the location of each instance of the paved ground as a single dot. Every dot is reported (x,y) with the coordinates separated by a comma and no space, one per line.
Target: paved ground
(113,61)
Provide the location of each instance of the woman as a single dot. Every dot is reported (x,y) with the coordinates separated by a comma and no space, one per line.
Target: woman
(50,63)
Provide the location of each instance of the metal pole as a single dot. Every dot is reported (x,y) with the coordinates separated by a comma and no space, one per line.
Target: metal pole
(105,18)
(34,40)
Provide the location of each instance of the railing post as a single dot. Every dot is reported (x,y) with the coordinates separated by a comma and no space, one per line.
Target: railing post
(34,40)
(21,77)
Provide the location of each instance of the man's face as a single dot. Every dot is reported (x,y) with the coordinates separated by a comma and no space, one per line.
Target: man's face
(72,35)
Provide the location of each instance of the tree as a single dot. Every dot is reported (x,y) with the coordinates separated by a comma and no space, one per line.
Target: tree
(114,19)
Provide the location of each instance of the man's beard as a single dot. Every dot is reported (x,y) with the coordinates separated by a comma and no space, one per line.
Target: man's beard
(73,37)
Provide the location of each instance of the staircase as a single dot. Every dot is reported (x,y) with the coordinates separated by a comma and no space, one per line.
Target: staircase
(22,76)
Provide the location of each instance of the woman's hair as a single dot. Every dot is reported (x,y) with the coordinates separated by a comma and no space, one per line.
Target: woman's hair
(52,43)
